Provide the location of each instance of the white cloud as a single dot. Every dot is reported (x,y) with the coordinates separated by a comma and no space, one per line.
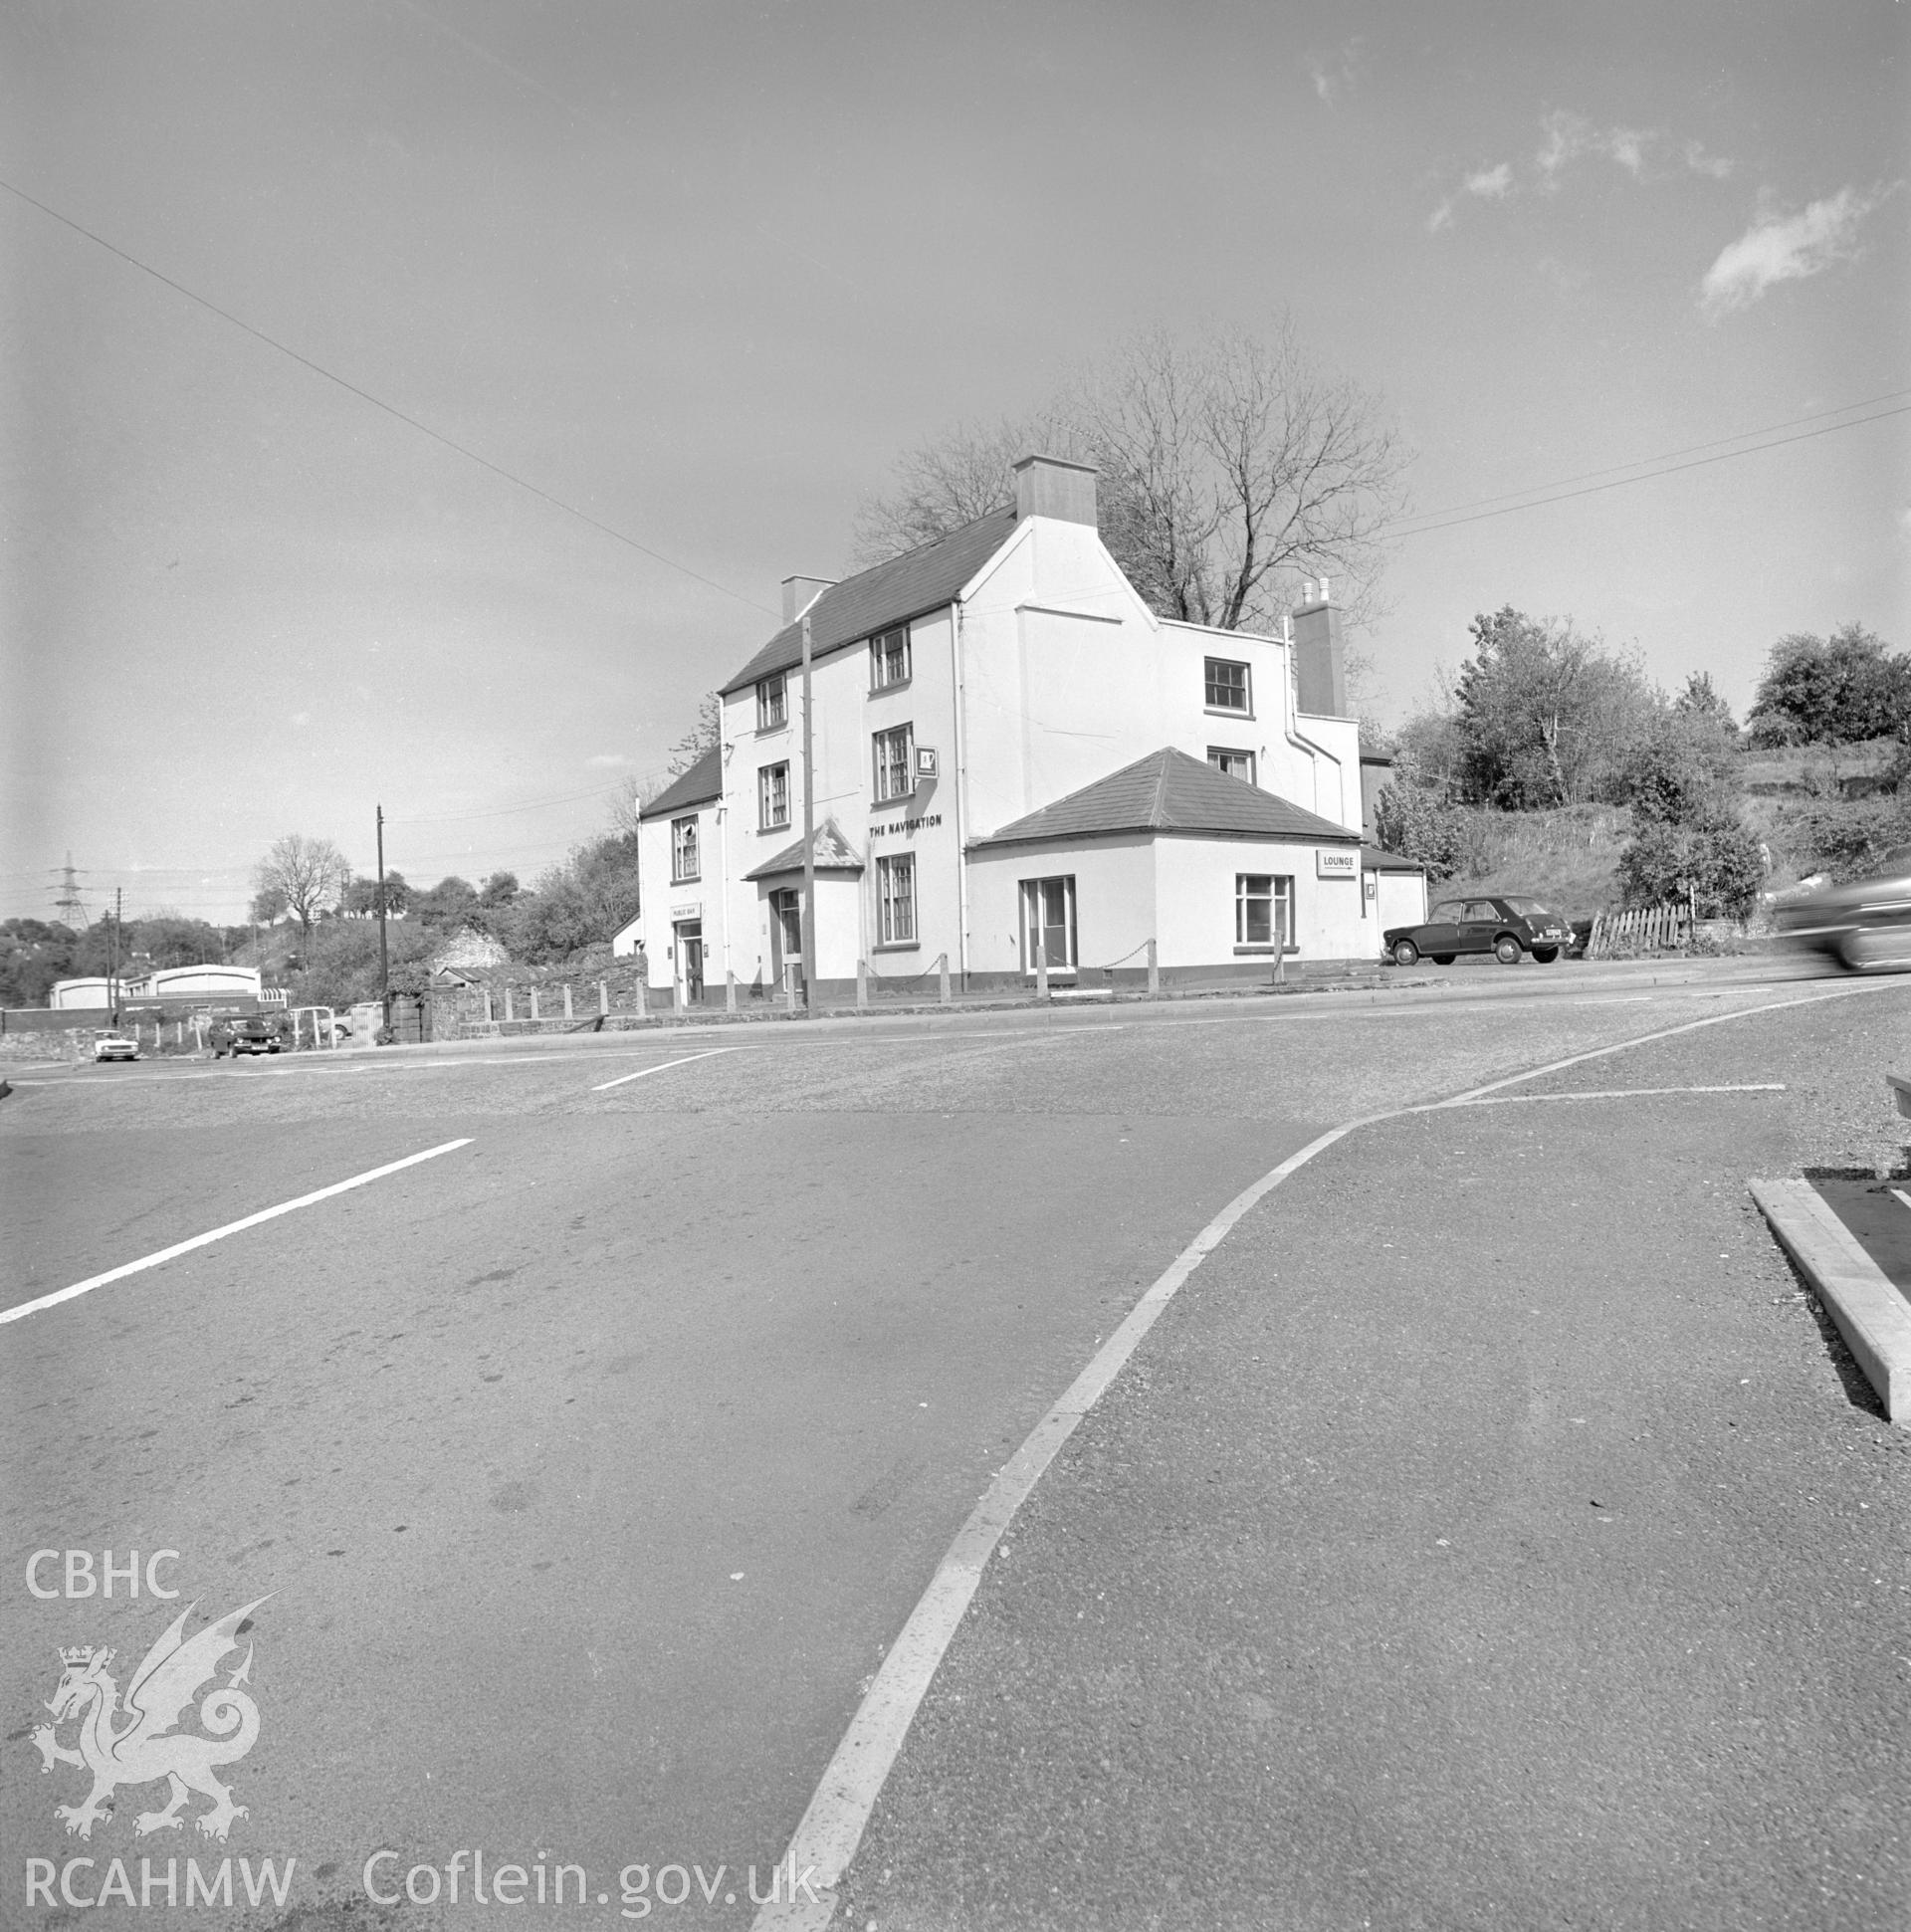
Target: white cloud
(1487,183)
(1568,136)
(1700,162)
(1626,146)
(606,761)
(1644,153)
(1785,247)
(1334,72)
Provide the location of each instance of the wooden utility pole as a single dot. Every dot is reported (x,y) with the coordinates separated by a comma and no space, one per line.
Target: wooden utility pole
(384,953)
(112,954)
(809,841)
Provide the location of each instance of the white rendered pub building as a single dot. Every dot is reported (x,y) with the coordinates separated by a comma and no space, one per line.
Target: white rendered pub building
(1014,753)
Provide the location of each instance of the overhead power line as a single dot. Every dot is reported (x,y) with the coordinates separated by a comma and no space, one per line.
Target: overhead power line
(1539,501)
(377,402)
(1664,456)
(502,812)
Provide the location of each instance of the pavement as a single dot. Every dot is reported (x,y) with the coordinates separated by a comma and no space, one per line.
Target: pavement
(592,1465)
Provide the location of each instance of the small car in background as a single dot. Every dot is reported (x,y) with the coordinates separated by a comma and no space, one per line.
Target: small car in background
(1504,926)
(114,1046)
(1865,925)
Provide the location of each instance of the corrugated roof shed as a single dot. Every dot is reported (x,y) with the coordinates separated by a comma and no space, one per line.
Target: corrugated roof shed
(701,783)
(1170,791)
(908,585)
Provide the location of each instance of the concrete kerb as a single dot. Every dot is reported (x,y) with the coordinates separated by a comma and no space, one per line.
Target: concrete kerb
(832,1825)
(1873,1318)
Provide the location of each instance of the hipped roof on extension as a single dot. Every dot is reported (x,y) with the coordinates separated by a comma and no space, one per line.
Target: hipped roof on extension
(910,585)
(1170,791)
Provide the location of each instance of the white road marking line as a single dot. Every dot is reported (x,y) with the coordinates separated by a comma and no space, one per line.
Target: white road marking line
(231,1227)
(1904,1200)
(1645,1039)
(832,1825)
(1616,1092)
(838,1813)
(663,1066)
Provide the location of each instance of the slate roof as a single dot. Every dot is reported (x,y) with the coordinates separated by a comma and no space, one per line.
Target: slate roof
(1170,791)
(702,782)
(908,585)
(1373,859)
(834,853)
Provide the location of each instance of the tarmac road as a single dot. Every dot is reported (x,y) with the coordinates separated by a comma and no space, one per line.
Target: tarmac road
(1488,1536)
(590,1466)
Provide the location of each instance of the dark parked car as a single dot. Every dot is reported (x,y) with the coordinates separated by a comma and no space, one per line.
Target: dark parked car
(1865,925)
(247,1036)
(1506,927)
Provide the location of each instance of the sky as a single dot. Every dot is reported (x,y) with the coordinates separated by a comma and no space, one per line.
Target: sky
(417,404)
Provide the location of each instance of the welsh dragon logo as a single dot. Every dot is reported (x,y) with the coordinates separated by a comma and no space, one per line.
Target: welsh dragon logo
(137,1745)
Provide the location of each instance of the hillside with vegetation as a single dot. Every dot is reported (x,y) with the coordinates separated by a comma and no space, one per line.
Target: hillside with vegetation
(1551,765)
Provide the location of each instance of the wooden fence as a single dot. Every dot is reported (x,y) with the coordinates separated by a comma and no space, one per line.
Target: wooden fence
(1642,929)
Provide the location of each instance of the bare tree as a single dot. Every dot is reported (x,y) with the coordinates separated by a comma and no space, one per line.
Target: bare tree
(306,875)
(1230,467)
(702,739)
(942,485)
(627,804)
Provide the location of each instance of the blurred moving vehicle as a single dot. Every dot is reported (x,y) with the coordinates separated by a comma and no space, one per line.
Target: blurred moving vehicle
(112,1046)
(1504,926)
(1865,925)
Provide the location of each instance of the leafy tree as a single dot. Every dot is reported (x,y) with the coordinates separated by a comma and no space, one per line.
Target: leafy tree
(306,875)
(1681,778)
(171,939)
(269,906)
(1418,823)
(1430,751)
(1841,689)
(1714,857)
(1229,468)
(1682,766)
(499,889)
(1847,841)
(339,964)
(34,953)
(579,905)
(1545,713)
(360,898)
(448,904)
(1701,702)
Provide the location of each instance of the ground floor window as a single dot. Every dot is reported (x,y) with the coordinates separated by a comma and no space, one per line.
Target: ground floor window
(1263,909)
(1048,923)
(896,900)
